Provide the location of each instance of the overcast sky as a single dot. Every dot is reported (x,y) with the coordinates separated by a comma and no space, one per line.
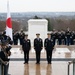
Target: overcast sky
(38,5)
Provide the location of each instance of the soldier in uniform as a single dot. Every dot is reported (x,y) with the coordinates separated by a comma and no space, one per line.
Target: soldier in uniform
(73,38)
(68,37)
(63,37)
(38,45)
(15,38)
(4,36)
(21,37)
(4,53)
(49,46)
(0,36)
(59,38)
(9,40)
(26,48)
(53,36)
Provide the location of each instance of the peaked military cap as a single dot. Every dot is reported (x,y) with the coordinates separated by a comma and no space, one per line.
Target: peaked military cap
(37,34)
(48,34)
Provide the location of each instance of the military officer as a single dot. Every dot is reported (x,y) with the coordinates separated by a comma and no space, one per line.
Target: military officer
(59,38)
(4,36)
(53,36)
(38,45)
(26,48)
(15,38)
(63,37)
(49,46)
(68,39)
(21,36)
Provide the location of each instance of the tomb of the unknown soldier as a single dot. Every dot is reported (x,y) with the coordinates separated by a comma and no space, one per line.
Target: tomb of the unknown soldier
(38,51)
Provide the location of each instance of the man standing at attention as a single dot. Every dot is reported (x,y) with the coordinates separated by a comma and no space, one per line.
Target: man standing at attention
(26,48)
(38,45)
(49,46)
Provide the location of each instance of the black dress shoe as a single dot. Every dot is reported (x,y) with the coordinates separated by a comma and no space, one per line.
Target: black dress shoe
(37,62)
(27,62)
(49,63)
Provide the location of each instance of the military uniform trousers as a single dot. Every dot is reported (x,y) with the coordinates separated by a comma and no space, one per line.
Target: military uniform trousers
(26,56)
(49,55)
(38,53)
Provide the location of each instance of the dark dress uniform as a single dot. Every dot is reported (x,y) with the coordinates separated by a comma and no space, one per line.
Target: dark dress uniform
(9,40)
(49,46)
(59,38)
(53,36)
(26,48)
(68,39)
(4,35)
(38,45)
(15,38)
(63,38)
(73,38)
(4,58)
(21,37)
(0,36)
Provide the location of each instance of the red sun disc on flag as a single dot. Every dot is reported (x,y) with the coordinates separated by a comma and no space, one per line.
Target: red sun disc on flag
(8,22)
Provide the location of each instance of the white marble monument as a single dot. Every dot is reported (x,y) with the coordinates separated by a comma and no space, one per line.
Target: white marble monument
(37,26)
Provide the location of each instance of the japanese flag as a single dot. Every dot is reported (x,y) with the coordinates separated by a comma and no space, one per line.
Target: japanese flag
(8,23)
